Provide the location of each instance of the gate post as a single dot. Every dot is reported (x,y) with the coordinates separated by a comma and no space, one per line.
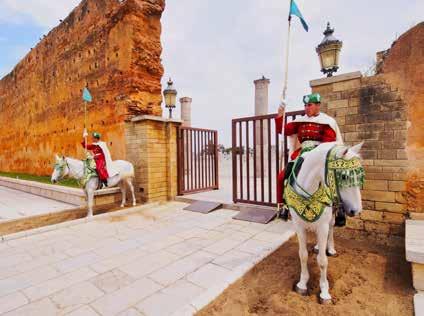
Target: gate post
(151,143)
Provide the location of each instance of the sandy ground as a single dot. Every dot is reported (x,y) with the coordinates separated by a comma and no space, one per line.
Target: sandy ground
(365,279)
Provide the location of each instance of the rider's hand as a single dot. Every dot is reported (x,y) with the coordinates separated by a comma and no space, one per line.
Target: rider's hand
(84,134)
(281,109)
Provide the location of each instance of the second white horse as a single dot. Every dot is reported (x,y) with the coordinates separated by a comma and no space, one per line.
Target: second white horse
(73,168)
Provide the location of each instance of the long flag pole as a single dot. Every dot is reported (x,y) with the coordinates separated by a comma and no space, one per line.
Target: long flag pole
(85,126)
(286,73)
(286,76)
(86,96)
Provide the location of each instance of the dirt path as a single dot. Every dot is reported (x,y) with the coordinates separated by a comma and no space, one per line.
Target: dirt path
(365,279)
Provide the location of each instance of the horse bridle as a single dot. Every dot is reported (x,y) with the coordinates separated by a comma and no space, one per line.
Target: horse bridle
(61,166)
(339,171)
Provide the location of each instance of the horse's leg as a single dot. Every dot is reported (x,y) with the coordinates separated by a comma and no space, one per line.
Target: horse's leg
(124,192)
(90,199)
(131,186)
(322,259)
(331,251)
(302,285)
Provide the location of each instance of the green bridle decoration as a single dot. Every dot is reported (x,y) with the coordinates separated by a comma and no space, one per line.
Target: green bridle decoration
(339,173)
(60,167)
(89,169)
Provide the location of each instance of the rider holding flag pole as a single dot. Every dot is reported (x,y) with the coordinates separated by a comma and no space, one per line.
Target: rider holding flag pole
(306,132)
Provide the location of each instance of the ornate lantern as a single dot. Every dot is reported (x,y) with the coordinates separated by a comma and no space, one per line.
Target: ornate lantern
(329,51)
(170,95)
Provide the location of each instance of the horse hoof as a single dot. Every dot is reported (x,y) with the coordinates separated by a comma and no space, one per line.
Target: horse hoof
(325,301)
(329,254)
(298,290)
(122,205)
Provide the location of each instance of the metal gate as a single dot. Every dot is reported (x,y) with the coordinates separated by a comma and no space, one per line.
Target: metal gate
(197,160)
(256,158)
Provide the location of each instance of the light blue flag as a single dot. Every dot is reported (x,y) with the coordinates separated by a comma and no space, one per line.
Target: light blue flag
(294,10)
(86,96)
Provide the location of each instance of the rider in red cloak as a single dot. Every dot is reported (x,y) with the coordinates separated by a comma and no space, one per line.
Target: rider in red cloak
(308,130)
(99,157)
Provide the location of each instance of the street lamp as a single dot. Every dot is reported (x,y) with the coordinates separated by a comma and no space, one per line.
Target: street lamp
(170,95)
(329,51)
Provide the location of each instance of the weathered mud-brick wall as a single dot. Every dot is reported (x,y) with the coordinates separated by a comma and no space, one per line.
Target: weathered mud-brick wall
(385,111)
(403,67)
(114,47)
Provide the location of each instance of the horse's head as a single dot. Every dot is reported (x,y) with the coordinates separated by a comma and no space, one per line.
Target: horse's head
(349,179)
(61,169)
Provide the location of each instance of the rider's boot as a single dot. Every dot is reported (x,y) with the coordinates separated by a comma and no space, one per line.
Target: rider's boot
(340,219)
(104,184)
(283,212)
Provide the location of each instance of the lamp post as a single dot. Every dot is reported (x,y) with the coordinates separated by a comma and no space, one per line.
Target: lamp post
(170,95)
(329,51)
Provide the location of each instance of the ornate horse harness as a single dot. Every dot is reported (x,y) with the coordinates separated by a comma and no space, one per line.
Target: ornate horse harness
(339,173)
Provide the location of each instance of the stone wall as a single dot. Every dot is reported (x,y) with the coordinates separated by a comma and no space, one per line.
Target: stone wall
(152,147)
(114,47)
(371,110)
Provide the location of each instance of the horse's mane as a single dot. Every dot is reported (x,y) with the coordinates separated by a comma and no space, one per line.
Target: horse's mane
(320,150)
(323,148)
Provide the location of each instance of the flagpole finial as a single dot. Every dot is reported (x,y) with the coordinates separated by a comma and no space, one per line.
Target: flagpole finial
(328,30)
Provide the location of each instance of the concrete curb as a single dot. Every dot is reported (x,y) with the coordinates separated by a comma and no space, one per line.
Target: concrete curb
(212,293)
(75,222)
(74,196)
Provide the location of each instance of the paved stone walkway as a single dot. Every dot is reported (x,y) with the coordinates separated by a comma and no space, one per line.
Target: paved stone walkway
(157,261)
(17,204)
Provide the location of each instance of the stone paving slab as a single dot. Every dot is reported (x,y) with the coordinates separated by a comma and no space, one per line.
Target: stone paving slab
(16,204)
(150,260)
(414,241)
(419,304)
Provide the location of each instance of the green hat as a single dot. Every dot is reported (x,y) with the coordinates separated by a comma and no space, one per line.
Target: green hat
(97,135)
(312,98)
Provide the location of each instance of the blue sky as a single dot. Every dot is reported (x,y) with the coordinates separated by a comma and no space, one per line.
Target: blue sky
(214,50)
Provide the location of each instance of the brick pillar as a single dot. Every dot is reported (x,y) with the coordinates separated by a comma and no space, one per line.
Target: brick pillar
(151,143)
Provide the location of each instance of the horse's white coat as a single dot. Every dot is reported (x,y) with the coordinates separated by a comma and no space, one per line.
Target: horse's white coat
(311,174)
(74,168)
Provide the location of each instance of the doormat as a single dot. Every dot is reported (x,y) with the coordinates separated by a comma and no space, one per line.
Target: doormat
(203,207)
(256,215)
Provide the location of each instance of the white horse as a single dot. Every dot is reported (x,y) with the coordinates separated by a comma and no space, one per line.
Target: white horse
(311,175)
(73,168)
